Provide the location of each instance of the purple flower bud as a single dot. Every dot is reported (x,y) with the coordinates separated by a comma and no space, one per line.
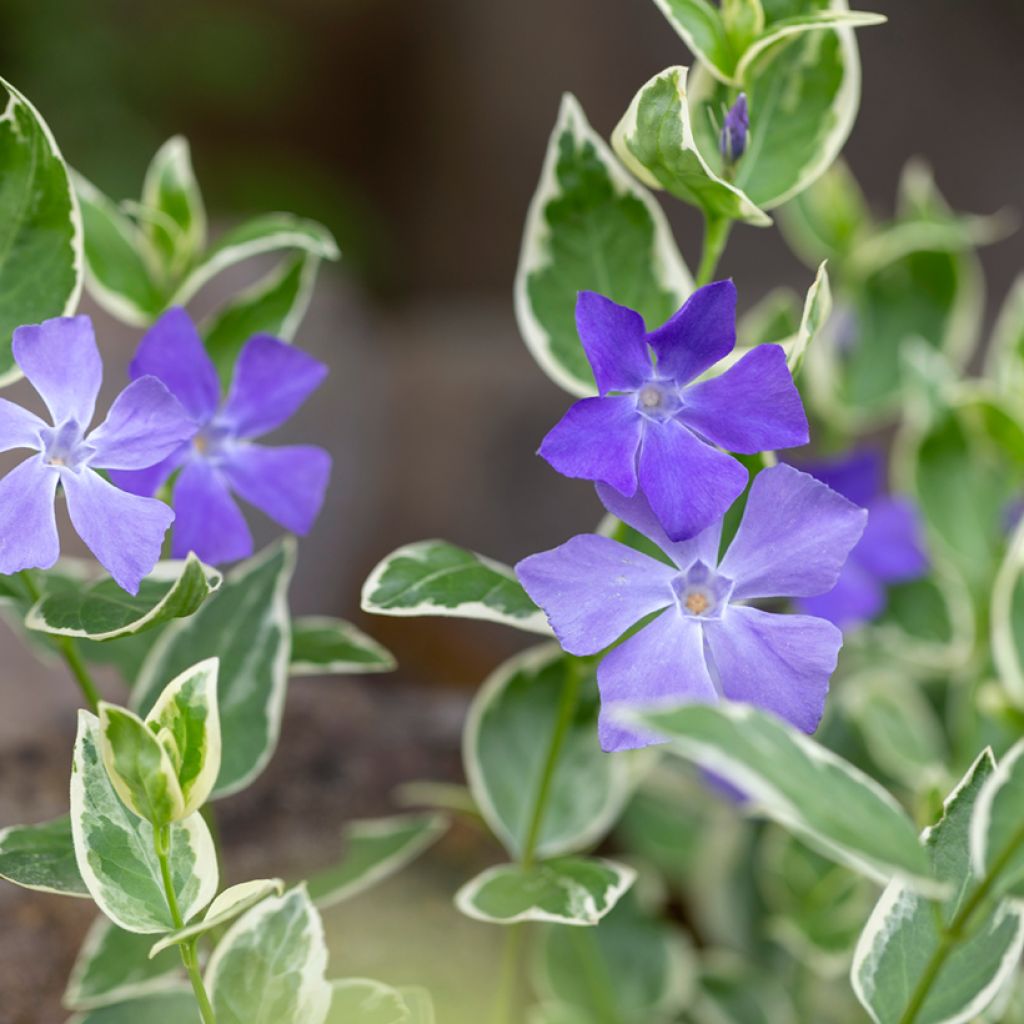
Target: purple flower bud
(733,138)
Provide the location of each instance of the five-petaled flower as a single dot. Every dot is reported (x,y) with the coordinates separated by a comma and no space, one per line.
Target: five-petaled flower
(125,532)
(654,427)
(705,642)
(890,551)
(271,380)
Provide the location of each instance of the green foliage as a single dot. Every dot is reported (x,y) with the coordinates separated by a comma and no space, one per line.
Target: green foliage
(41,857)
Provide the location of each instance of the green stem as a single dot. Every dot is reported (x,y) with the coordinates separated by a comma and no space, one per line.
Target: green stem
(162,845)
(716,233)
(509,974)
(67,648)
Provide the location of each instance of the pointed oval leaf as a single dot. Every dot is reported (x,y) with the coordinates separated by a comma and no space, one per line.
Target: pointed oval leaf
(323,646)
(269,967)
(569,890)
(997,829)
(590,226)
(170,189)
(361,1001)
(176,1006)
(103,611)
(817,309)
(433,577)
(114,848)
(41,857)
(699,24)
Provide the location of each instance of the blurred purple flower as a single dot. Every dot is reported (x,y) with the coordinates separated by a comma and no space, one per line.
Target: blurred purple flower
(652,427)
(890,551)
(271,380)
(732,141)
(705,643)
(125,532)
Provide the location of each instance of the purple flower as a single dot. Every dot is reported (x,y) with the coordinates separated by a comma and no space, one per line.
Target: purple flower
(271,380)
(653,427)
(125,532)
(890,551)
(705,642)
(732,141)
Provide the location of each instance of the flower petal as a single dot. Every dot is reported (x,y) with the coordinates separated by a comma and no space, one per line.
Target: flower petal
(148,481)
(856,598)
(781,663)
(28,524)
(288,483)
(272,379)
(637,513)
(592,590)
(19,428)
(172,351)
(597,439)
(613,339)
(859,476)
(124,532)
(795,536)
(892,546)
(663,662)
(689,484)
(62,362)
(701,333)
(145,425)
(753,407)
(208,520)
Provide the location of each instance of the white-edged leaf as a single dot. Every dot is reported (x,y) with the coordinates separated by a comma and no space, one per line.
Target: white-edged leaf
(569,890)
(433,577)
(505,745)
(794,781)
(997,828)
(114,965)
(170,190)
(590,225)
(817,308)
(375,849)
(902,934)
(322,646)
(655,141)
(1007,617)
(115,850)
(41,857)
(246,624)
(362,1001)
(231,903)
(103,611)
(269,967)
(175,1006)
(1004,358)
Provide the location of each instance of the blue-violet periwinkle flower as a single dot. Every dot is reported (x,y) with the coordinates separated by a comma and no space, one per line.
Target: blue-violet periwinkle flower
(732,141)
(705,643)
(145,423)
(654,426)
(271,380)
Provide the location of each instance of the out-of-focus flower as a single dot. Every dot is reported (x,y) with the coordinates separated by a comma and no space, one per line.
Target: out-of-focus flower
(654,426)
(146,422)
(271,380)
(705,643)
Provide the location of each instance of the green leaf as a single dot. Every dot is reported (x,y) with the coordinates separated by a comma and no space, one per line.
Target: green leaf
(41,857)
(103,611)
(177,1006)
(271,232)
(375,849)
(231,903)
(699,24)
(119,263)
(361,1001)
(114,965)
(433,577)
(505,747)
(997,828)
(115,850)
(903,933)
(40,226)
(1007,616)
(570,890)
(817,309)
(186,720)
(139,766)
(633,966)
(655,141)
(322,646)
(796,782)
(269,967)
(590,226)
(246,624)
(170,190)
(1004,361)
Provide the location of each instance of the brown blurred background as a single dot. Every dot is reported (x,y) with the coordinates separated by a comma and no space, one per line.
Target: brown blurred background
(416,133)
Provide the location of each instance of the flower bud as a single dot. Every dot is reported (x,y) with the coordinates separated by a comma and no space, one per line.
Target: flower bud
(732,140)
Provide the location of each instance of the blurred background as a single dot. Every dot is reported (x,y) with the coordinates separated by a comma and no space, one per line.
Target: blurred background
(416,134)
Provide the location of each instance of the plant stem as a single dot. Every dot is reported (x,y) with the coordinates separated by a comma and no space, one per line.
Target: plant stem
(716,233)
(67,648)
(162,845)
